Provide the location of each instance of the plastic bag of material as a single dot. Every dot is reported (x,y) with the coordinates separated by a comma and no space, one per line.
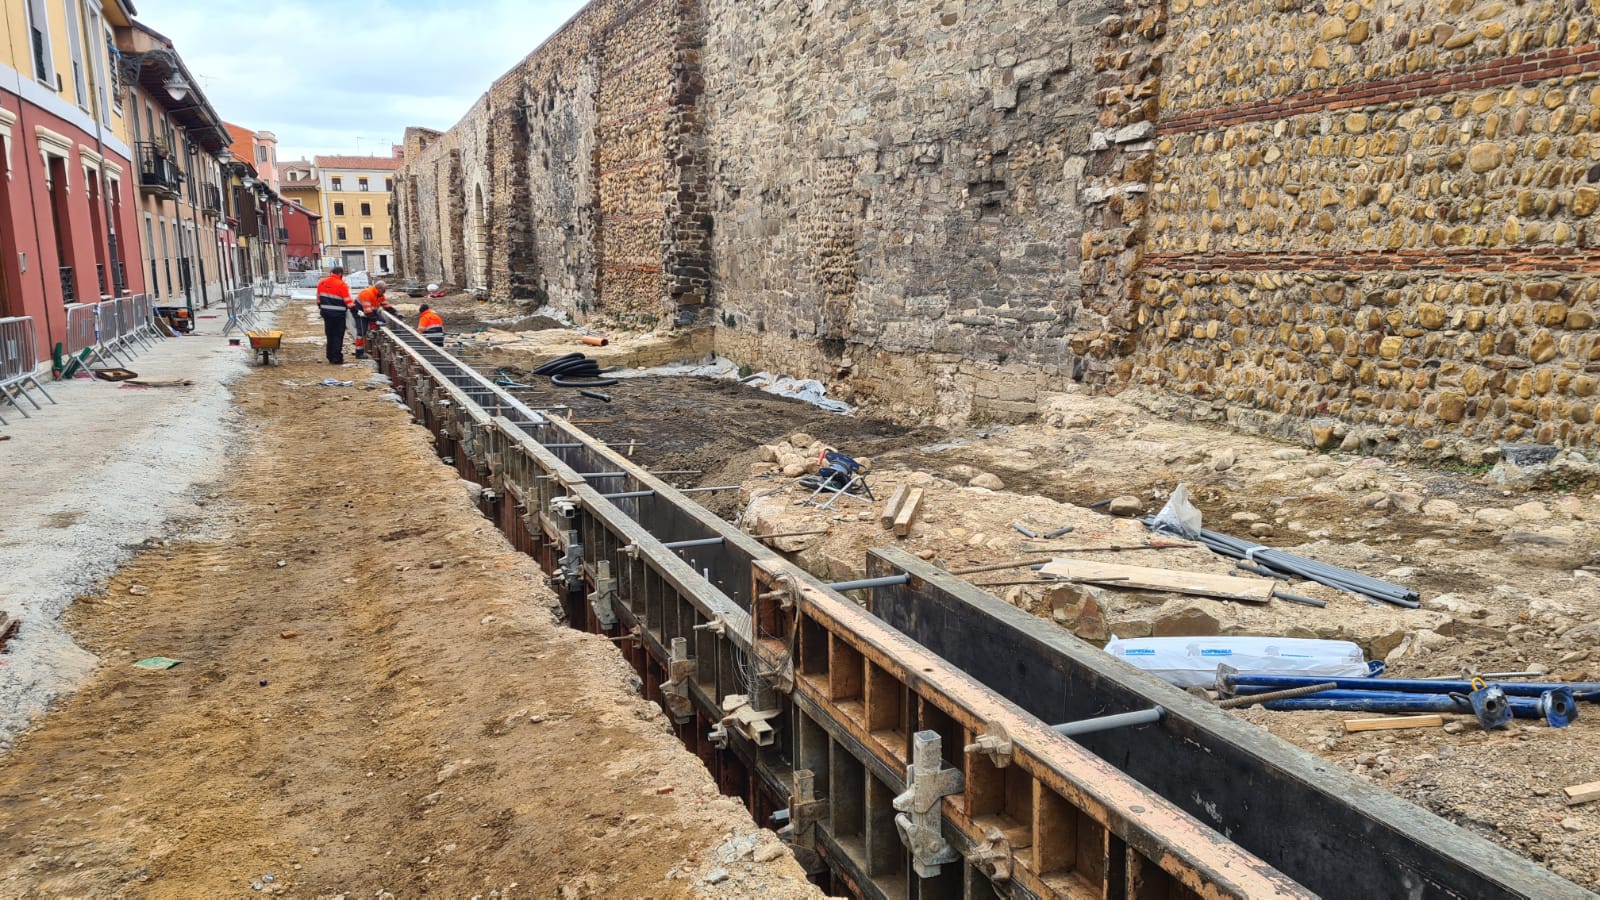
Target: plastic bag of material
(1179,517)
(1192,661)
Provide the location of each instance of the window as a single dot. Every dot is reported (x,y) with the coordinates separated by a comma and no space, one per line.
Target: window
(340,232)
(388,185)
(261,155)
(338,207)
(361,184)
(383,262)
(366,234)
(338,183)
(366,209)
(80,77)
(100,71)
(39,30)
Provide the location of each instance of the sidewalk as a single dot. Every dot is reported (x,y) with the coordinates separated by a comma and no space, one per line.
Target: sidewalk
(89,479)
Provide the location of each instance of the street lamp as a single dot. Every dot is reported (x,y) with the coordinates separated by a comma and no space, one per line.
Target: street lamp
(176,87)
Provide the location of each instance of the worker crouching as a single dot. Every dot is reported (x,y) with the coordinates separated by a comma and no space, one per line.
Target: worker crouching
(368,304)
(431,326)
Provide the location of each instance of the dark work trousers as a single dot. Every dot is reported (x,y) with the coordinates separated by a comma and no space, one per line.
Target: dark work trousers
(363,325)
(333,325)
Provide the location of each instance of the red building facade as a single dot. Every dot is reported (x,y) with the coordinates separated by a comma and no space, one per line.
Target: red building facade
(304,246)
(68,204)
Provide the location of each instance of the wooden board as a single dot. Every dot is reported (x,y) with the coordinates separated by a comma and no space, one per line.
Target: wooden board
(1582,793)
(1141,578)
(908,511)
(892,508)
(1390,723)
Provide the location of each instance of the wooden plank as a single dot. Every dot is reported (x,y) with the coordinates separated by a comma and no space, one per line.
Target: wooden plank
(1390,723)
(908,511)
(1582,793)
(892,508)
(1200,584)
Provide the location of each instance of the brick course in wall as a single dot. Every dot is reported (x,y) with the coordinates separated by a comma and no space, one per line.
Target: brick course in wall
(1384,219)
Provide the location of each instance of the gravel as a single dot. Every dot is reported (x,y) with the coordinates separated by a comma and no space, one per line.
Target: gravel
(87,483)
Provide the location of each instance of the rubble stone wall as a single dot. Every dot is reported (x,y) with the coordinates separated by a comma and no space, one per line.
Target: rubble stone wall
(554,187)
(1380,220)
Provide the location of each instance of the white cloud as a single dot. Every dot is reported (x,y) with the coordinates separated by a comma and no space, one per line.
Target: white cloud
(321,74)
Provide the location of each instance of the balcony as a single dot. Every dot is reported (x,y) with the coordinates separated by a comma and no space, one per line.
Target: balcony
(158,171)
(211,199)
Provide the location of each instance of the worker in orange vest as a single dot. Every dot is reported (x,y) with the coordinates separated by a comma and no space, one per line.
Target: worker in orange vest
(368,302)
(431,326)
(335,304)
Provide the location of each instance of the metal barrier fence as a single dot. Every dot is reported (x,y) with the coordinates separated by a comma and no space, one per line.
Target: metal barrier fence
(18,357)
(241,308)
(112,330)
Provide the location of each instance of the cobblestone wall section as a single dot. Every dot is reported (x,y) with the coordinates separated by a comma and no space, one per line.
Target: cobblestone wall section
(1379,217)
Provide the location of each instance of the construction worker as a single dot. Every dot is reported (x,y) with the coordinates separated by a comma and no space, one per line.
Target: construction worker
(335,304)
(431,326)
(368,302)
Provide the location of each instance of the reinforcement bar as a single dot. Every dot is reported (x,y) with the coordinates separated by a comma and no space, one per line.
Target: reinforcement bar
(797,698)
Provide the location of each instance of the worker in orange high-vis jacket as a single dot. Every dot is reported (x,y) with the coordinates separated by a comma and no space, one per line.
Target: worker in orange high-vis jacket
(368,303)
(431,326)
(335,304)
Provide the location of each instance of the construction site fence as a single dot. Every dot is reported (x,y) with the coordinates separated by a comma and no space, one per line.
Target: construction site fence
(242,307)
(19,354)
(112,331)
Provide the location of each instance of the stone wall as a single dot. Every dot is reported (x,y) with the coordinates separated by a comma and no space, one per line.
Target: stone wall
(1319,219)
(1379,220)
(555,186)
(896,179)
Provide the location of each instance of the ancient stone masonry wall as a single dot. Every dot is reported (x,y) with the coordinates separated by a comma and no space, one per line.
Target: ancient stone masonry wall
(1379,217)
(553,187)
(903,178)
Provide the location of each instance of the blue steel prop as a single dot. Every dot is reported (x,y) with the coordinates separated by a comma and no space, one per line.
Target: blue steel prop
(1557,708)
(1229,683)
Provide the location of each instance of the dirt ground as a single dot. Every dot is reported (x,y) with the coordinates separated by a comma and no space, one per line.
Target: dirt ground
(370,702)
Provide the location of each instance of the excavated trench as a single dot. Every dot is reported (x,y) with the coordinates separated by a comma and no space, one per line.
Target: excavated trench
(856,703)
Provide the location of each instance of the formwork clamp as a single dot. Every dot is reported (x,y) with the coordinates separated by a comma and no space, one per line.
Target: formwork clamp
(605,591)
(995,743)
(565,507)
(927,783)
(675,690)
(993,857)
(740,715)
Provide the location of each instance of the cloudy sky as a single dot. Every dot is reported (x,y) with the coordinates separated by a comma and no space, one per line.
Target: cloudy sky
(323,73)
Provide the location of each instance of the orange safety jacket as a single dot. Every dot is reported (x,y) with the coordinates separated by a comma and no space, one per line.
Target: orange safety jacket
(430,324)
(333,295)
(371,301)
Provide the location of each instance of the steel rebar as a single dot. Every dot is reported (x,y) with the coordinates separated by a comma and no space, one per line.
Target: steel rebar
(1287,694)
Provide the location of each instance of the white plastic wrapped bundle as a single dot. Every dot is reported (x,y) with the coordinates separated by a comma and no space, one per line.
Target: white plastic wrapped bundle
(1192,661)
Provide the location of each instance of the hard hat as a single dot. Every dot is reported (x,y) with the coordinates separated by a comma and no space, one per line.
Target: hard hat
(432,288)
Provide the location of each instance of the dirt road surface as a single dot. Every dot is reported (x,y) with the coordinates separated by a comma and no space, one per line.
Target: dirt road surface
(373,700)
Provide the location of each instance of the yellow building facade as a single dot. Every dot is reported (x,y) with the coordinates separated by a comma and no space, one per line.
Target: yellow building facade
(354,194)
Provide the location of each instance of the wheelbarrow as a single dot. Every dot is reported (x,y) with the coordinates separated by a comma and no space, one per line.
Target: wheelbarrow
(266,343)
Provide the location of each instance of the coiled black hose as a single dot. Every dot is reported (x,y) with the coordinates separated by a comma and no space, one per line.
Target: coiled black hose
(545,368)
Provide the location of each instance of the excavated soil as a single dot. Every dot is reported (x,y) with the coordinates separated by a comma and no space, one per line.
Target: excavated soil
(374,699)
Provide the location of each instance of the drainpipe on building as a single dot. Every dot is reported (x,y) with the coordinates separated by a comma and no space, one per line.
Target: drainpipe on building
(114,245)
